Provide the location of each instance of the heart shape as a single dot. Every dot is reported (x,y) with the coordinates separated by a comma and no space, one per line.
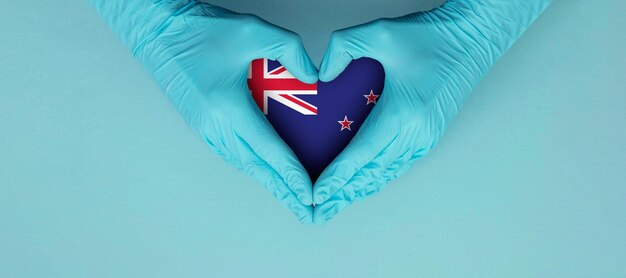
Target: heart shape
(317,121)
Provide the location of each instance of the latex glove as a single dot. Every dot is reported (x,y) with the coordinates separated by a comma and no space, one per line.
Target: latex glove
(432,60)
(199,54)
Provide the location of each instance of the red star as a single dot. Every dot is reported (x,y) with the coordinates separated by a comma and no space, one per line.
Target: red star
(371,98)
(345,124)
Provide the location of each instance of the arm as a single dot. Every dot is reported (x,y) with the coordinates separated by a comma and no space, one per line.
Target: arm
(134,21)
(432,62)
(490,27)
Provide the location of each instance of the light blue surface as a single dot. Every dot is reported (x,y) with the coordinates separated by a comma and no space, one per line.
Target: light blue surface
(100,177)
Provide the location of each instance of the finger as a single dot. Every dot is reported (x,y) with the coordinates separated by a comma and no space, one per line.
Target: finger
(380,169)
(231,123)
(286,47)
(414,143)
(279,189)
(376,138)
(418,138)
(370,180)
(257,136)
(347,195)
(388,134)
(322,213)
(343,47)
(227,143)
(304,213)
(297,61)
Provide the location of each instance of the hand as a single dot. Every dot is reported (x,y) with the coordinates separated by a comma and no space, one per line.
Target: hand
(432,61)
(199,54)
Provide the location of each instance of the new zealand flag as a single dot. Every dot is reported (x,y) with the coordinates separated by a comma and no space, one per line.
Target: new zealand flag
(317,121)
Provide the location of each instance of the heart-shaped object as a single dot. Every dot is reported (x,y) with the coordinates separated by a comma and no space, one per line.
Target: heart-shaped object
(317,121)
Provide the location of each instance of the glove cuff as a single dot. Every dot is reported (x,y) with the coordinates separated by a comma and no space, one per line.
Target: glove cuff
(138,21)
(494,25)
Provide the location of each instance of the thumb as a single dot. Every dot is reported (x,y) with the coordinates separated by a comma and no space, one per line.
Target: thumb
(297,61)
(276,43)
(342,49)
(287,48)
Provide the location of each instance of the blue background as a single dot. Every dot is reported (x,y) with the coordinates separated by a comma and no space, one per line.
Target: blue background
(100,177)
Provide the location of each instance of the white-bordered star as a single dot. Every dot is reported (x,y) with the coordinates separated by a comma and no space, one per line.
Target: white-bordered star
(371,98)
(345,124)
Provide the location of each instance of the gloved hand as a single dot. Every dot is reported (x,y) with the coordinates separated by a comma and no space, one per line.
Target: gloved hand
(199,54)
(432,61)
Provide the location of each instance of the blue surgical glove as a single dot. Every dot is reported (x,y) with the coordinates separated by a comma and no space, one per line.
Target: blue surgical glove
(199,55)
(432,60)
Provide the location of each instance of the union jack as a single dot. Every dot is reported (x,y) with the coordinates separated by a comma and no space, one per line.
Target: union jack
(268,79)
